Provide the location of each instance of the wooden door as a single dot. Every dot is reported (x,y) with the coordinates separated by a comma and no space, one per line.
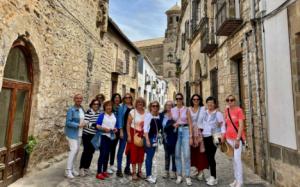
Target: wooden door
(15,102)
(241,83)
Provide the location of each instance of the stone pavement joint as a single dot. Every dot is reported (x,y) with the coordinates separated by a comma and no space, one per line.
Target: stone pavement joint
(54,176)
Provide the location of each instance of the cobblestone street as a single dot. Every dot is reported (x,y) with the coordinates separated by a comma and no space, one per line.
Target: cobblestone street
(54,176)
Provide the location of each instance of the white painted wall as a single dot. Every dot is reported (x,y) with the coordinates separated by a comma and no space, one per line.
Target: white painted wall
(273,4)
(279,82)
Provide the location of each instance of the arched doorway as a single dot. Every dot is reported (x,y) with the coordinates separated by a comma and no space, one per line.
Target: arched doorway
(15,104)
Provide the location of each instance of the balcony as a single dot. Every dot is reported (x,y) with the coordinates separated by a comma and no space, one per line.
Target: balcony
(208,39)
(227,17)
(118,67)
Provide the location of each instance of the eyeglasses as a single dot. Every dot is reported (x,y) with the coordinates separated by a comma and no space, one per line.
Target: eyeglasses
(230,100)
(179,98)
(155,106)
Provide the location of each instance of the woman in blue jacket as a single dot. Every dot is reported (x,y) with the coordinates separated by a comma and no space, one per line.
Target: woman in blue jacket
(74,122)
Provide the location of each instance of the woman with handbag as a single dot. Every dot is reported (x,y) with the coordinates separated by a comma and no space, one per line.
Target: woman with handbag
(135,145)
(213,128)
(89,131)
(235,135)
(123,114)
(107,123)
(169,139)
(198,157)
(183,126)
(152,126)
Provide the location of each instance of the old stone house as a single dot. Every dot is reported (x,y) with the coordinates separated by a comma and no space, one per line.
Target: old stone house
(219,44)
(51,50)
(248,49)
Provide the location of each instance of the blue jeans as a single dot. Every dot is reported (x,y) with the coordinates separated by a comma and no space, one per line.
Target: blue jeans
(150,151)
(122,146)
(104,154)
(183,146)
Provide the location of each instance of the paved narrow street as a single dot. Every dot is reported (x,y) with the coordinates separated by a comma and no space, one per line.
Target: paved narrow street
(54,176)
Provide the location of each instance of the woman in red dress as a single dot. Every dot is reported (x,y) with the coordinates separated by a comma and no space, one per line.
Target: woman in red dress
(198,157)
(135,125)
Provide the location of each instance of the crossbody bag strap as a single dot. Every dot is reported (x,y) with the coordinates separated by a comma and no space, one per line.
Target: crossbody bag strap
(236,129)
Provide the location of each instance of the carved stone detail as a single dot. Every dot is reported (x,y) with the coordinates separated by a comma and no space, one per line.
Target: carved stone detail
(102,15)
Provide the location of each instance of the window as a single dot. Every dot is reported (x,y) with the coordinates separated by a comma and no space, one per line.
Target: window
(123,89)
(177,18)
(170,20)
(126,62)
(169,74)
(141,65)
(187,29)
(183,41)
(195,14)
(134,67)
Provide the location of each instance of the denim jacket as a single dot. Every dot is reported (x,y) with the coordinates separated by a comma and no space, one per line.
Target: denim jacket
(121,112)
(72,122)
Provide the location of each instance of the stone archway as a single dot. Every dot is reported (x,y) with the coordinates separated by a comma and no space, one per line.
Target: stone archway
(15,109)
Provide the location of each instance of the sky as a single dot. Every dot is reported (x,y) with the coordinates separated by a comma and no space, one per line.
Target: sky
(141,19)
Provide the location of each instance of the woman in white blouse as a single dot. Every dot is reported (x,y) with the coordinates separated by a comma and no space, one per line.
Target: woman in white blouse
(213,124)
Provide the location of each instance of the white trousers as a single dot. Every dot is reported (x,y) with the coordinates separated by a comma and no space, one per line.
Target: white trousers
(74,145)
(237,161)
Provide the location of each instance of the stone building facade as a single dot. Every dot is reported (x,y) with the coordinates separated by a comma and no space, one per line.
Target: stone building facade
(51,50)
(249,49)
(219,44)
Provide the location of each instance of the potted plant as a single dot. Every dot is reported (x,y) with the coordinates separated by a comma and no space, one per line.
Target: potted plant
(29,147)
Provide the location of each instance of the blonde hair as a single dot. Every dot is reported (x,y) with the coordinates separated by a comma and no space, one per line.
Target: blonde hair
(140,99)
(153,102)
(165,105)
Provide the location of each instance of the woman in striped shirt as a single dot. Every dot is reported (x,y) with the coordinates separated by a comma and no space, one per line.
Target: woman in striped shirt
(89,131)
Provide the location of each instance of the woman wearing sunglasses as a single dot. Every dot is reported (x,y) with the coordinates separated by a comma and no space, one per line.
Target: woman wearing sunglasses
(152,126)
(183,125)
(198,157)
(89,131)
(213,123)
(234,117)
(123,113)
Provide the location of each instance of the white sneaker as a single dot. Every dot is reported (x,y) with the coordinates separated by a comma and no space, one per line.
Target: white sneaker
(82,172)
(178,180)
(200,176)
(151,179)
(212,181)
(189,181)
(69,174)
(75,173)
(87,172)
(172,175)
(110,171)
(232,184)
(113,168)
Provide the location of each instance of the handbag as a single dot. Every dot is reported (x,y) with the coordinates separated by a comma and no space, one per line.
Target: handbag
(137,140)
(155,144)
(198,138)
(227,149)
(235,128)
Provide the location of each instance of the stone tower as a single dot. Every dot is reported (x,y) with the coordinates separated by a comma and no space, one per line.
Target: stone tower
(173,16)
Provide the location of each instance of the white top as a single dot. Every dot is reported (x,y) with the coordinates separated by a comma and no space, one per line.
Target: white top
(194,115)
(109,121)
(210,123)
(148,118)
(81,116)
(138,119)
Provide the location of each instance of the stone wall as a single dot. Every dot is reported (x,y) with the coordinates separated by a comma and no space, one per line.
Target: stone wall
(68,57)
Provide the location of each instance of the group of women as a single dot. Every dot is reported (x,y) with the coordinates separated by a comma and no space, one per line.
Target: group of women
(190,136)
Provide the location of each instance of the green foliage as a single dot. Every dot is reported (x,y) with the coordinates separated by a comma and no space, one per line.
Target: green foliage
(31,144)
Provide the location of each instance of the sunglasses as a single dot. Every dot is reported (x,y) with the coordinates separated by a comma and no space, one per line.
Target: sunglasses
(155,106)
(179,98)
(230,100)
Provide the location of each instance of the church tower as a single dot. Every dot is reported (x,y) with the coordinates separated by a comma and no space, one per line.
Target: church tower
(173,16)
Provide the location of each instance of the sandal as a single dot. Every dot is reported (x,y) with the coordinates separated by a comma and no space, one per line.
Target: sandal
(140,175)
(134,176)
